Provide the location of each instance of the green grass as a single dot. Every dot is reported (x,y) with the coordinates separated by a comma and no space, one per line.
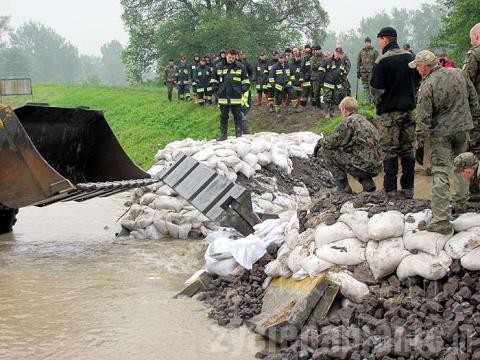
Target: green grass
(142,118)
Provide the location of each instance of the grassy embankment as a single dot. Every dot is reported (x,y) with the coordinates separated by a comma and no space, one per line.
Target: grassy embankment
(142,118)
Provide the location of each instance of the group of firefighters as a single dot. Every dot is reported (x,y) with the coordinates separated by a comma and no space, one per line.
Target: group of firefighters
(292,77)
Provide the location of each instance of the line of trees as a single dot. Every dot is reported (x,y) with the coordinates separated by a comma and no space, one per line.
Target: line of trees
(37,51)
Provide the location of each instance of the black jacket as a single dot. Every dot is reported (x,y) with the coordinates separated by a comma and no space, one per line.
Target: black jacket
(261,72)
(202,76)
(394,84)
(296,67)
(280,76)
(183,74)
(230,82)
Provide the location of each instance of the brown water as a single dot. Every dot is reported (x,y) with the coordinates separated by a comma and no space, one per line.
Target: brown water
(69,289)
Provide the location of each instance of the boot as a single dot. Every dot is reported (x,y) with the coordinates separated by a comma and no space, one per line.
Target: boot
(223,132)
(441,227)
(328,112)
(238,131)
(287,102)
(270,107)
(408,174)
(368,185)
(343,186)
(267,100)
(245,128)
(390,168)
(406,193)
(259,100)
(277,110)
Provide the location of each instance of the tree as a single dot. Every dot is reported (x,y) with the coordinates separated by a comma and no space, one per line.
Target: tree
(459,18)
(113,69)
(16,63)
(160,29)
(56,60)
(4,29)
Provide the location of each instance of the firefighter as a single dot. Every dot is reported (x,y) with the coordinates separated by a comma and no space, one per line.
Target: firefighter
(280,79)
(271,91)
(333,81)
(202,77)
(307,75)
(296,69)
(183,80)
(231,84)
(261,78)
(193,69)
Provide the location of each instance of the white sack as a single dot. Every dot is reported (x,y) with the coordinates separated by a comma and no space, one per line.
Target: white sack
(325,234)
(463,242)
(383,257)
(296,255)
(247,251)
(358,223)
(471,261)
(413,219)
(276,269)
(293,239)
(386,225)
(221,267)
(167,203)
(299,275)
(283,253)
(313,265)
(350,287)
(426,241)
(242,148)
(147,198)
(343,252)
(466,221)
(425,265)
(204,154)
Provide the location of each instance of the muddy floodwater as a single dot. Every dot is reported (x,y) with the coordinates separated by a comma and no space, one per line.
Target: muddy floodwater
(70,290)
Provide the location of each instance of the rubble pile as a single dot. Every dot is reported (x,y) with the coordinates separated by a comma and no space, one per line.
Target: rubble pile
(272,166)
(410,319)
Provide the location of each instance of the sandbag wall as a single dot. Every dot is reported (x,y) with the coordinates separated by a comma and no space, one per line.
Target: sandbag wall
(158,212)
(388,242)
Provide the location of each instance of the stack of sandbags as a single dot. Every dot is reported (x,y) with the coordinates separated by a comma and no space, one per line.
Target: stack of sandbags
(160,212)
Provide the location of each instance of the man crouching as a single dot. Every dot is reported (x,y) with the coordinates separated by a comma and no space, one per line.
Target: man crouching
(353,148)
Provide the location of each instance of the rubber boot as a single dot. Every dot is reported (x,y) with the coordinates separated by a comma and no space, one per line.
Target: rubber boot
(245,128)
(267,100)
(277,110)
(368,185)
(327,114)
(238,131)
(259,100)
(287,102)
(442,227)
(223,132)
(408,175)
(343,186)
(390,168)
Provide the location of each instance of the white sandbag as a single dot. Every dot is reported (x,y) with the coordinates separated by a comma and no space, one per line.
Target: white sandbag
(225,153)
(231,161)
(232,176)
(413,219)
(250,159)
(222,167)
(347,208)
(386,225)
(213,161)
(203,155)
(259,146)
(283,253)
(247,251)
(263,160)
(425,265)
(165,190)
(222,233)
(357,221)
(172,229)
(313,265)
(265,227)
(426,241)
(299,275)
(280,157)
(273,268)
(325,234)
(350,287)
(221,267)
(383,257)
(145,219)
(159,223)
(237,167)
(152,233)
(184,230)
(242,148)
(296,255)
(147,198)
(471,261)
(463,242)
(343,252)
(164,202)
(128,224)
(247,171)
(466,221)
(293,239)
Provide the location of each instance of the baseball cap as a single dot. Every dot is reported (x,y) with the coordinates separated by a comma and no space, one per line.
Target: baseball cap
(424,57)
(464,160)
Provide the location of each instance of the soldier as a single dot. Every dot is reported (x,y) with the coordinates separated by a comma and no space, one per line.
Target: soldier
(296,70)
(261,78)
(333,81)
(365,61)
(352,148)
(394,86)
(446,98)
(406,47)
(231,84)
(271,91)
(202,77)
(280,79)
(183,80)
(317,74)
(466,164)
(307,75)
(170,77)
(471,67)
(347,64)
(193,69)
(288,54)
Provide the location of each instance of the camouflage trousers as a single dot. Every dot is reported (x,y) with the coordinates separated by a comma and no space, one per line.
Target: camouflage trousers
(316,91)
(339,163)
(170,90)
(334,95)
(475,134)
(366,76)
(443,151)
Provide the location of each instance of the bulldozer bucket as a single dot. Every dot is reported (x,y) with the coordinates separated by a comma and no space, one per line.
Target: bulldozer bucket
(50,154)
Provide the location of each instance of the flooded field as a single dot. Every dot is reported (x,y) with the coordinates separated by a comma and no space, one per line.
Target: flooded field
(70,289)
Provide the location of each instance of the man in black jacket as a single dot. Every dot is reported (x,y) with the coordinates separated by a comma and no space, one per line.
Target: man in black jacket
(394,86)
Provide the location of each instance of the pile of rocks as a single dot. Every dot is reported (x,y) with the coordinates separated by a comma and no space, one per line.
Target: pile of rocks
(411,319)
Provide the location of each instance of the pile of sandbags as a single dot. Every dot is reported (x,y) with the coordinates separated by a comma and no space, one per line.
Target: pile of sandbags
(159,212)
(388,242)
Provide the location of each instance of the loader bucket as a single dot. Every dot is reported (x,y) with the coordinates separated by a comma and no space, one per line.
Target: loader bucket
(50,154)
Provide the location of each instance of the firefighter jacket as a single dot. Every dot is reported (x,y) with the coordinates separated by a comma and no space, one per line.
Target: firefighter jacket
(307,71)
(296,68)
(281,76)
(183,74)
(193,69)
(230,82)
(202,76)
(336,73)
(261,73)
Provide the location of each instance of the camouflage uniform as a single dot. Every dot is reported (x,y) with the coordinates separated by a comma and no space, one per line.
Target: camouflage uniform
(347,64)
(352,149)
(471,67)
(366,60)
(445,99)
(170,79)
(316,77)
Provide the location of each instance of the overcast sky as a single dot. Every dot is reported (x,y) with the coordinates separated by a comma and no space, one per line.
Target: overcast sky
(88,24)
